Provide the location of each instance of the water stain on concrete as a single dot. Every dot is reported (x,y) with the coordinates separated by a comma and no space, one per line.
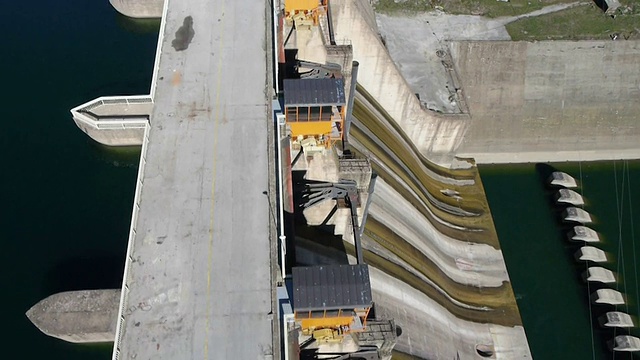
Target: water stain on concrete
(184,35)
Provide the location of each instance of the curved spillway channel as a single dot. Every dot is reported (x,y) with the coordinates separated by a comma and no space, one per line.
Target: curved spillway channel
(431,236)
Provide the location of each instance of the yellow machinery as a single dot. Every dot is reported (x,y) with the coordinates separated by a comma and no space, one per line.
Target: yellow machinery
(315,108)
(303,12)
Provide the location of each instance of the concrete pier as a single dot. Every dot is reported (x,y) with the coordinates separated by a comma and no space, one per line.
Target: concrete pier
(590,253)
(583,233)
(607,296)
(599,274)
(575,214)
(568,196)
(87,316)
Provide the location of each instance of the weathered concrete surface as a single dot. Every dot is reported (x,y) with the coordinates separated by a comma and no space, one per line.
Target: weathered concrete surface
(435,136)
(444,241)
(413,43)
(197,281)
(414,39)
(139,8)
(556,100)
(448,286)
(113,137)
(446,281)
(86,316)
(431,332)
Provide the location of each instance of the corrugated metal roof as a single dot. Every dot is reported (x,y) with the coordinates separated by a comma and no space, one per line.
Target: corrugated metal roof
(314,92)
(331,287)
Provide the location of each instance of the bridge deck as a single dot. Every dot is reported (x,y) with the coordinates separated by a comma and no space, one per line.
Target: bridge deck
(200,283)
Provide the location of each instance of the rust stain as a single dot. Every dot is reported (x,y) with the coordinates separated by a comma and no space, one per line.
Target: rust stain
(177,78)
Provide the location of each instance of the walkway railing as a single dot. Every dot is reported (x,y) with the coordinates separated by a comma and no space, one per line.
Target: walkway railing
(139,184)
(132,235)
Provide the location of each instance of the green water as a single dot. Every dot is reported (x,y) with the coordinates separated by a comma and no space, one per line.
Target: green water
(65,201)
(559,321)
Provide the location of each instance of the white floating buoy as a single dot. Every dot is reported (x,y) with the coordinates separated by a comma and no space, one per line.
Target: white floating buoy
(590,253)
(607,296)
(567,196)
(583,233)
(616,319)
(626,343)
(576,215)
(599,274)
(558,178)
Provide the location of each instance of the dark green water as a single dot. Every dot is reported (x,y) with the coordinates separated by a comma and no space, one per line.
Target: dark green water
(553,301)
(65,201)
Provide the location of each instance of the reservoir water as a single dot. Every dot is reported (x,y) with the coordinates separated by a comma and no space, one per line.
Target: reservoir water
(65,201)
(559,320)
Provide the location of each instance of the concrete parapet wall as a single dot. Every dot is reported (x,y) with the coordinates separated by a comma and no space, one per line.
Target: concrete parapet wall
(118,136)
(139,8)
(114,120)
(431,133)
(551,100)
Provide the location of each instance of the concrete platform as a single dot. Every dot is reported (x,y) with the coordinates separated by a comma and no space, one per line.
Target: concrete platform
(599,274)
(626,343)
(197,281)
(583,233)
(607,296)
(575,214)
(559,178)
(616,319)
(590,253)
(568,196)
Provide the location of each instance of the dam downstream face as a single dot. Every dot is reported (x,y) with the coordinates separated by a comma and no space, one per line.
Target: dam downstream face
(552,298)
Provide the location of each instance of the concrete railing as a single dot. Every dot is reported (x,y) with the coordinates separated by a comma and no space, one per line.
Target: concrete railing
(86,112)
(132,235)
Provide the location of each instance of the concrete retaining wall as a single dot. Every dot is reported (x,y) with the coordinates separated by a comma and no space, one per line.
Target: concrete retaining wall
(550,101)
(139,8)
(433,134)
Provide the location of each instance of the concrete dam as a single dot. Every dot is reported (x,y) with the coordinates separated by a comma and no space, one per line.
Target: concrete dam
(435,262)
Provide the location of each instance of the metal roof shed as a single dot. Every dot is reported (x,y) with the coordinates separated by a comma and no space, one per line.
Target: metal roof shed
(331,287)
(315,107)
(313,92)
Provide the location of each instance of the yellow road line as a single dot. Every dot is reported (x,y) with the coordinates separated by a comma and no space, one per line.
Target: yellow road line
(213,180)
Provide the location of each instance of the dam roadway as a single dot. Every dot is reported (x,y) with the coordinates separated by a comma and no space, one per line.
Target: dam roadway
(198,281)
